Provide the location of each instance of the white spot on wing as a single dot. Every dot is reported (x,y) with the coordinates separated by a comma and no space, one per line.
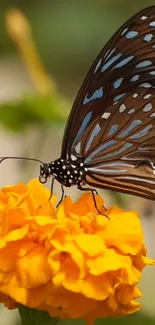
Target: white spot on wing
(135,95)
(106,115)
(152,24)
(73,157)
(107,53)
(110,54)
(147,96)
(147,107)
(98,65)
(146,85)
(124,31)
(144,17)
(131,111)
(122,108)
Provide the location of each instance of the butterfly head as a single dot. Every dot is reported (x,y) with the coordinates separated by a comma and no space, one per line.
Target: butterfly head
(45,172)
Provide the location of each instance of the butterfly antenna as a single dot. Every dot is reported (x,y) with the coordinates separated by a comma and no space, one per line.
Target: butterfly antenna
(21,158)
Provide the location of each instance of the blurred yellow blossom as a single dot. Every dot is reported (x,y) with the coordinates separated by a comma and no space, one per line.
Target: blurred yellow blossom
(19,29)
(70,261)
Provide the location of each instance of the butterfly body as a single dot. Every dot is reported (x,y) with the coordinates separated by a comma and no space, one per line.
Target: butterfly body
(109,140)
(64,172)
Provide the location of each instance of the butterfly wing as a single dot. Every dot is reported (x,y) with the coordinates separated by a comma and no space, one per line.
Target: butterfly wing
(126,61)
(112,123)
(121,156)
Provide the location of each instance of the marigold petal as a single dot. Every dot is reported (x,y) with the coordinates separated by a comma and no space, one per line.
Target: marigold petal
(69,249)
(128,238)
(15,190)
(148,261)
(128,309)
(97,288)
(127,292)
(15,291)
(8,302)
(110,261)
(40,194)
(14,235)
(28,266)
(90,244)
(70,261)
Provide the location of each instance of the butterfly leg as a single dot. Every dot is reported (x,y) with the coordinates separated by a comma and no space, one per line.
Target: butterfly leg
(52,185)
(62,195)
(62,189)
(93,192)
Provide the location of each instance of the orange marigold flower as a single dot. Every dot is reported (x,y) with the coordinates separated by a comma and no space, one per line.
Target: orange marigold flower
(70,261)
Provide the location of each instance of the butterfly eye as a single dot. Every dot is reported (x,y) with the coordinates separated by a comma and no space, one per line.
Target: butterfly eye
(45,172)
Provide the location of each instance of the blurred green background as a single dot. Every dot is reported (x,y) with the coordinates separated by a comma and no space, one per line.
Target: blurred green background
(67,35)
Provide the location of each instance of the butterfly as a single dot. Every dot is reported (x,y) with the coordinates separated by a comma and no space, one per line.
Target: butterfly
(109,139)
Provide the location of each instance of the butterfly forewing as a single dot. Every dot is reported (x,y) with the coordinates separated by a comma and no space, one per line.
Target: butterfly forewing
(111,127)
(127,60)
(131,121)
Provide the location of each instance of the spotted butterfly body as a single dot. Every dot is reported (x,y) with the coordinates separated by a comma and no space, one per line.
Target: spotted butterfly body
(109,140)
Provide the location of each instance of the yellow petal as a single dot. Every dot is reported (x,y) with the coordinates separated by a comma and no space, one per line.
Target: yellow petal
(70,261)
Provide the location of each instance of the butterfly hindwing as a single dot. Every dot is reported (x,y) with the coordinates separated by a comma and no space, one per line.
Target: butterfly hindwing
(125,155)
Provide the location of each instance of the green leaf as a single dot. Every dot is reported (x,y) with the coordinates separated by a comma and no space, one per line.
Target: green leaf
(38,110)
(30,316)
(36,317)
(135,319)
